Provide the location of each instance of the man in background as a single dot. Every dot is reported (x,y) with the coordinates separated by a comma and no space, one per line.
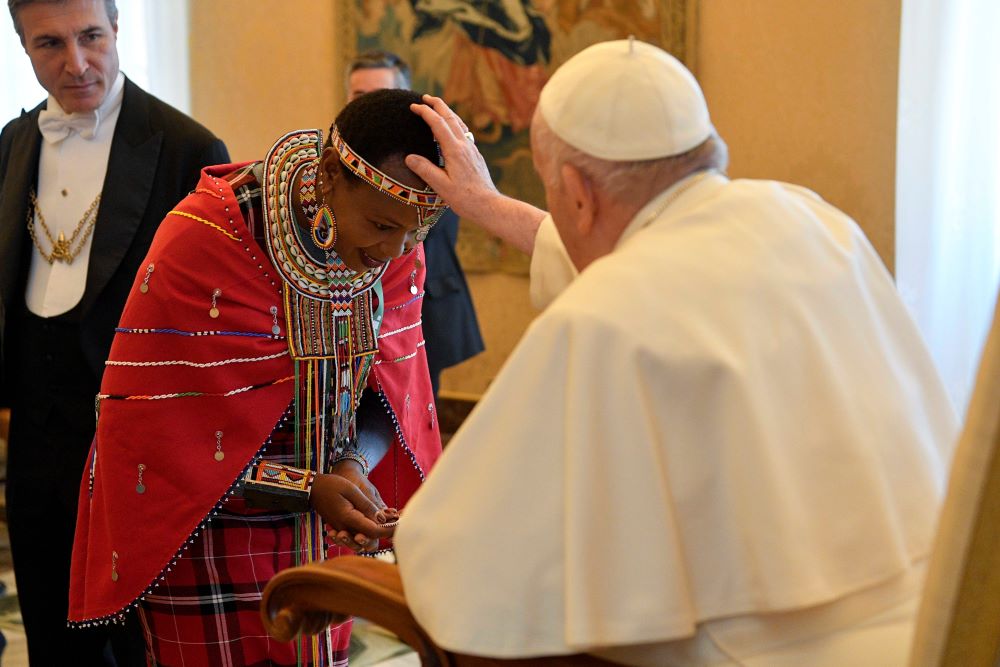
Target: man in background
(85,179)
(450,328)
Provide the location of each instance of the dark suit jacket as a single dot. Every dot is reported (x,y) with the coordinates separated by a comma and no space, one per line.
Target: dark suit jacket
(156,155)
(451,331)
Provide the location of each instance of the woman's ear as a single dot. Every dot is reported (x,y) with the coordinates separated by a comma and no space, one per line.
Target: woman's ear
(582,198)
(330,170)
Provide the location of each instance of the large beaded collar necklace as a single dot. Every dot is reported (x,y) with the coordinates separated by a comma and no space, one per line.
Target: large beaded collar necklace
(288,244)
(332,314)
(428,203)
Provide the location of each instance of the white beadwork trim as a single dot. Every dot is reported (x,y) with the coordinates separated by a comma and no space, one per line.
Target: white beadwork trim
(194,364)
(401,330)
(379,362)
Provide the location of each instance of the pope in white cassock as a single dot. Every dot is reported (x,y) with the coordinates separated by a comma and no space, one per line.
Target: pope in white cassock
(722,443)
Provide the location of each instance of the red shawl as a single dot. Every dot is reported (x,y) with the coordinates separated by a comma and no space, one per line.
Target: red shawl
(176,376)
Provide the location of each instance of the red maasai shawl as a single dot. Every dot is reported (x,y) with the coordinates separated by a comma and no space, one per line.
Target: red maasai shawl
(177,376)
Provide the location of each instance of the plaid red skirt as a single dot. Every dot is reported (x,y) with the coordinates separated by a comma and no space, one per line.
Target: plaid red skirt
(206,611)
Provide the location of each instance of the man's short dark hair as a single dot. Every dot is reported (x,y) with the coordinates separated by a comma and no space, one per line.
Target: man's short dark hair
(15,7)
(376,59)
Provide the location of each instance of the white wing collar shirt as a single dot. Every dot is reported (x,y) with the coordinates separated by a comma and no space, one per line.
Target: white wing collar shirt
(71,170)
(731,414)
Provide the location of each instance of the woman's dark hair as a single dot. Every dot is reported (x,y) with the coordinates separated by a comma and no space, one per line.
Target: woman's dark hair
(380,127)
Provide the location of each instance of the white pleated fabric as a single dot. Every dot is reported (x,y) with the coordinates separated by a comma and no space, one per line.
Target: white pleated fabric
(730,414)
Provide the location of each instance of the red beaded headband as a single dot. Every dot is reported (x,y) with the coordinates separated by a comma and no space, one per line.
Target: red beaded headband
(429,205)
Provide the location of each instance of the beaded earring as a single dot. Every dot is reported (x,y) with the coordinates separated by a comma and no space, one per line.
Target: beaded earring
(413,274)
(324,228)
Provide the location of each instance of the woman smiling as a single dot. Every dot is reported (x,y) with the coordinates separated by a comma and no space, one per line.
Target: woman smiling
(264,402)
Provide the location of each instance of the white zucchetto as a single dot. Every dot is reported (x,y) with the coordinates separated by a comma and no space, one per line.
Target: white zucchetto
(625,100)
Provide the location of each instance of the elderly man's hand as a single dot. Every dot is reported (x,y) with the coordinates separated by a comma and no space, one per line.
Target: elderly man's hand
(465,183)
(356,521)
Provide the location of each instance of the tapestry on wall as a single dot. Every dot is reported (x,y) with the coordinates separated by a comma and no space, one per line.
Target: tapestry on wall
(488,59)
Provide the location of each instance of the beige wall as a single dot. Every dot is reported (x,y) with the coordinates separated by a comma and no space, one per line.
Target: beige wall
(504,312)
(259,69)
(802,90)
(805,91)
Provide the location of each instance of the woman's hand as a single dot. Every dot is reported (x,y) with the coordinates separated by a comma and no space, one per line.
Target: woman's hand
(350,513)
(352,470)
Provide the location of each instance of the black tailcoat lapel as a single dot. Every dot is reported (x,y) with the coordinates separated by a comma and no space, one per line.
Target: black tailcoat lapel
(135,150)
(18,175)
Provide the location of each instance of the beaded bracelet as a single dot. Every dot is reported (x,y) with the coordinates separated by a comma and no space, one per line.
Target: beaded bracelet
(269,485)
(354,455)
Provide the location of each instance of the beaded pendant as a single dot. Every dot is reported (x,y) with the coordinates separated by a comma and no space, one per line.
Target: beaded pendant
(324,228)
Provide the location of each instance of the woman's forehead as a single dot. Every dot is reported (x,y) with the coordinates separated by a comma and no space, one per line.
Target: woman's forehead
(374,203)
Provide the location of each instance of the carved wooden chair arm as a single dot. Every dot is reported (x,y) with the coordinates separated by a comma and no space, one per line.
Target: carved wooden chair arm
(308,598)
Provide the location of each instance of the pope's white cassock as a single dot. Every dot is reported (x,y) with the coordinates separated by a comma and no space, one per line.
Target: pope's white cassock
(723,443)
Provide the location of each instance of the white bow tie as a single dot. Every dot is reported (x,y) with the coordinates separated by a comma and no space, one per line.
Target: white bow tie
(56,125)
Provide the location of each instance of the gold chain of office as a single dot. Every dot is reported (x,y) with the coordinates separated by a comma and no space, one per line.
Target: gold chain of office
(63,249)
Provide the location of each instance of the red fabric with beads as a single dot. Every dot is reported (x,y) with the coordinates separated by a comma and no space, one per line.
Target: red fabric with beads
(206,611)
(125,539)
(400,374)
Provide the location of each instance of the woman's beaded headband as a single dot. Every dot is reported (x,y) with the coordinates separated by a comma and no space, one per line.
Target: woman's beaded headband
(429,205)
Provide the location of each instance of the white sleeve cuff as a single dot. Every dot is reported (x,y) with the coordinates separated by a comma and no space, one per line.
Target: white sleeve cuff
(551,268)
